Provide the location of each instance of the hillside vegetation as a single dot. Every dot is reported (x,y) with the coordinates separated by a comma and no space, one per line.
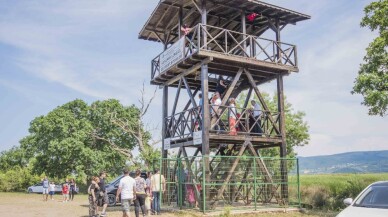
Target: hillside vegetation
(351,162)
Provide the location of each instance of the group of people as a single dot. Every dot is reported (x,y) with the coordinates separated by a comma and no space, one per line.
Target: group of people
(144,193)
(68,189)
(254,113)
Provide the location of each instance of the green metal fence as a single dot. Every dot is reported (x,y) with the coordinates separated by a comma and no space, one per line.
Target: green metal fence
(243,182)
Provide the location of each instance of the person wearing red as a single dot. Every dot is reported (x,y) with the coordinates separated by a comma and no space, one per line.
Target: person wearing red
(65,192)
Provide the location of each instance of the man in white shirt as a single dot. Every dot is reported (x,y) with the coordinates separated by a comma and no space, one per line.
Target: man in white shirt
(158,184)
(127,190)
(256,115)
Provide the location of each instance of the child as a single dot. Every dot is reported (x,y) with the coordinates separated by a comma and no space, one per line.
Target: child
(65,192)
(52,190)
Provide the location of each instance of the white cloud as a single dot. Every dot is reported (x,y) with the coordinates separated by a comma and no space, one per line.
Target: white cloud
(91,47)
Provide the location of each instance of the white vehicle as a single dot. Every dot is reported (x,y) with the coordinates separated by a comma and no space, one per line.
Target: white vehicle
(38,188)
(372,201)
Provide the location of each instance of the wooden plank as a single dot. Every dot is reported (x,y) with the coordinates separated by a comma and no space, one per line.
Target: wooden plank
(248,98)
(241,61)
(189,92)
(188,71)
(231,87)
(178,91)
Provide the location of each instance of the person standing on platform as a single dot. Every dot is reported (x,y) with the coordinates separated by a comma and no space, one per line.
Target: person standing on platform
(221,86)
(256,116)
(232,117)
(216,102)
(158,185)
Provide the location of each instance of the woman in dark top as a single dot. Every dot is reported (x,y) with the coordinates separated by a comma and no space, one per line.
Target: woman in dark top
(93,193)
(140,187)
(221,86)
(72,189)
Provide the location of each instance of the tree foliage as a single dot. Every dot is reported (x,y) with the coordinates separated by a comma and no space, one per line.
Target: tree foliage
(82,140)
(372,80)
(297,129)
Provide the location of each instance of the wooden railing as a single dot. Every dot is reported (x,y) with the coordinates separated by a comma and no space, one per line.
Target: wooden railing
(232,43)
(182,125)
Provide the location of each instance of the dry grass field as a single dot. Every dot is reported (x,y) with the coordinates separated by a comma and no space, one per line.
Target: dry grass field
(32,205)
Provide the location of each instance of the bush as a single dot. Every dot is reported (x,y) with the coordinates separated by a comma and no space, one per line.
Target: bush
(17,179)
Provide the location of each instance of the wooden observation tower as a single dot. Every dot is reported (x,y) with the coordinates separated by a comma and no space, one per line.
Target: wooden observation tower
(223,42)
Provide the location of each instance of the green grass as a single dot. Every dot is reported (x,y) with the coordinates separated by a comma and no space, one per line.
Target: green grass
(327,180)
(328,191)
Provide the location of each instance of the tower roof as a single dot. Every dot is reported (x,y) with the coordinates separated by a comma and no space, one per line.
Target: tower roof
(221,13)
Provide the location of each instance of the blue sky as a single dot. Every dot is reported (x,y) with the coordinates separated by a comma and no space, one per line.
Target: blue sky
(52,52)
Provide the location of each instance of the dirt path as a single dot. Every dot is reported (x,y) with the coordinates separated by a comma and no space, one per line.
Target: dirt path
(32,205)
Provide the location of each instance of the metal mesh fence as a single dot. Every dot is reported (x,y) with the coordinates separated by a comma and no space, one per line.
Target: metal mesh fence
(243,182)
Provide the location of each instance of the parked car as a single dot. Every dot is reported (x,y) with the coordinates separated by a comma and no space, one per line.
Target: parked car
(113,186)
(38,188)
(372,201)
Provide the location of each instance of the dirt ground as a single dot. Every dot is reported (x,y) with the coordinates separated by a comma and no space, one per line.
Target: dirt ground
(32,205)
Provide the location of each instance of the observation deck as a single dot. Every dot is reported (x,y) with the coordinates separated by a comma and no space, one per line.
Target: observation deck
(262,130)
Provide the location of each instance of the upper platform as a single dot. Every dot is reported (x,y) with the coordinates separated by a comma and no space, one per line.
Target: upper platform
(221,13)
(222,37)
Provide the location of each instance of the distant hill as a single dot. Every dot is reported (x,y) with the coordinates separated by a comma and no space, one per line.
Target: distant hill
(350,162)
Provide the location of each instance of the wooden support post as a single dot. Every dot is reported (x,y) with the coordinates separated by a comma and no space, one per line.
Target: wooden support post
(178,91)
(189,92)
(248,98)
(277,33)
(231,87)
(180,21)
(244,31)
(204,22)
(205,127)
(165,110)
(283,147)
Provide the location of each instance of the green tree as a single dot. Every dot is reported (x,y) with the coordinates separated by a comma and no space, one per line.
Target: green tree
(297,129)
(372,80)
(82,140)
(14,157)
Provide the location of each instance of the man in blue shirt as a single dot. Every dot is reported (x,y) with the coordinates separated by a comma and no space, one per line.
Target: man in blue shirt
(45,185)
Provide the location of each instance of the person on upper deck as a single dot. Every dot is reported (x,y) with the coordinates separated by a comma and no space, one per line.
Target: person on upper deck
(221,86)
(185,30)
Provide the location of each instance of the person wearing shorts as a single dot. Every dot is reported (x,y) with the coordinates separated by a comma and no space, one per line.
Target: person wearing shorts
(128,192)
(52,190)
(45,185)
(103,194)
